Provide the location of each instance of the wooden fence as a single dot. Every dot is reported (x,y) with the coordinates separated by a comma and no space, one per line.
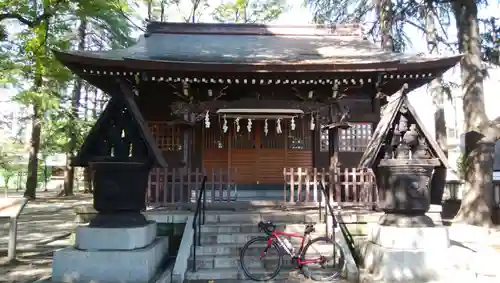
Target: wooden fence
(350,185)
(171,185)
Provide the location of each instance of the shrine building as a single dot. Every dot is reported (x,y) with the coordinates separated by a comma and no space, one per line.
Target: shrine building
(253,99)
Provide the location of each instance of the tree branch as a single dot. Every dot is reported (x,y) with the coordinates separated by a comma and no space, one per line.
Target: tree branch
(31,23)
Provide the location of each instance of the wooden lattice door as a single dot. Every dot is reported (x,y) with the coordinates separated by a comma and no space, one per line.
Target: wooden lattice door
(243,153)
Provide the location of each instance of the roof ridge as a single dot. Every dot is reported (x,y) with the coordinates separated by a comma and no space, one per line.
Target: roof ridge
(352,29)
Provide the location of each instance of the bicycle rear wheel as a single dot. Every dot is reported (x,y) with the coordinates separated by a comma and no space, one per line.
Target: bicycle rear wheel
(268,259)
(332,259)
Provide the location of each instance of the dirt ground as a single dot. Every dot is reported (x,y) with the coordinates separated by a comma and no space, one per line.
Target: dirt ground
(45,225)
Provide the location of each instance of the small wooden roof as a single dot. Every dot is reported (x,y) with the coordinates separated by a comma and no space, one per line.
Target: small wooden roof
(369,158)
(94,140)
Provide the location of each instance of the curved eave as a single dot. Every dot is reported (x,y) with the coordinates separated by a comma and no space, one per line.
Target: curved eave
(131,64)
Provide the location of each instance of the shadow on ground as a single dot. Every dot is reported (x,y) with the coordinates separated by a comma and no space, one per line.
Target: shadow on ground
(45,225)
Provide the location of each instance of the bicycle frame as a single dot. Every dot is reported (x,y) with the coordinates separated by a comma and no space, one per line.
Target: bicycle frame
(276,236)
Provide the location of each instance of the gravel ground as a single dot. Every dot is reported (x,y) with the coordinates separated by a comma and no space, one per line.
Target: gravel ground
(44,226)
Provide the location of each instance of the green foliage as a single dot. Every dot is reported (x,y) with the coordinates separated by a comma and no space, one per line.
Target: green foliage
(462,166)
(249,11)
(28,64)
(10,153)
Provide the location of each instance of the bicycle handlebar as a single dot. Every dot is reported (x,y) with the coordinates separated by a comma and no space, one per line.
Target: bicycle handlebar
(267,227)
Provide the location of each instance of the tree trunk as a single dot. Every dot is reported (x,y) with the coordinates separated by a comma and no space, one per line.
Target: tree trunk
(476,207)
(150,10)
(36,129)
(69,174)
(437,93)
(384,11)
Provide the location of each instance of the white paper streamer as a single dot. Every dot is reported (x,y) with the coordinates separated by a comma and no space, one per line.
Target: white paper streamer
(237,122)
(249,125)
(207,120)
(278,126)
(292,124)
(266,129)
(312,125)
(224,126)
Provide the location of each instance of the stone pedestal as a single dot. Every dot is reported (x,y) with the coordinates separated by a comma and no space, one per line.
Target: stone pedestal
(105,255)
(406,254)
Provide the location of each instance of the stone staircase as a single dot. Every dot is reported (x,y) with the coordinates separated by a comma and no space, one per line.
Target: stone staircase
(226,232)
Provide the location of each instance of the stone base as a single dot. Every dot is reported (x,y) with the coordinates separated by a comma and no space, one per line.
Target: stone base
(397,254)
(96,238)
(134,266)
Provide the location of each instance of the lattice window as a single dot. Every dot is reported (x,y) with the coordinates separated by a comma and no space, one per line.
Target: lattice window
(273,139)
(300,138)
(354,139)
(168,137)
(243,138)
(213,137)
(323,141)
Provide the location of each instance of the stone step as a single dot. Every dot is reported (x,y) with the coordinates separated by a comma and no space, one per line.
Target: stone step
(219,250)
(241,239)
(253,217)
(232,245)
(233,261)
(228,227)
(297,279)
(237,275)
(210,262)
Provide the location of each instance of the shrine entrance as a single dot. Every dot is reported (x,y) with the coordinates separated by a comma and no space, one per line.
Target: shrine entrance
(258,158)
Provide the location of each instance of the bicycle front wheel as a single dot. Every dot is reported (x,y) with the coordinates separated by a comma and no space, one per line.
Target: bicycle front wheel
(259,262)
(324,259)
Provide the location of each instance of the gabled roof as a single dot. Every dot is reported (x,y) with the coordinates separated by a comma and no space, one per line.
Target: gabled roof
(121,113)
(390,111)
(186,46)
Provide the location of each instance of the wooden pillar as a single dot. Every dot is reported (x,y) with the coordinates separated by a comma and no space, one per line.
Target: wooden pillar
(316,143)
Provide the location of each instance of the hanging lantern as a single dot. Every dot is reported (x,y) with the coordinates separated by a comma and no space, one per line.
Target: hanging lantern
(292,124)
(278,126)
(249,125)
(207,120)
(266,129)
(312,125)
(237,122)
(224,126)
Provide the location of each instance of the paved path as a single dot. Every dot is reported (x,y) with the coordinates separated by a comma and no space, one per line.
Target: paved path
(44,226)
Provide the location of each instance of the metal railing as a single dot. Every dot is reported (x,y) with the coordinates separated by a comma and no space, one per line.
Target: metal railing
(337,223)
(328,209)
(199,219)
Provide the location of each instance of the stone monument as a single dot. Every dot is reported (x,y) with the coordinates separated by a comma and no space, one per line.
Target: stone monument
(119,244)
(406,245)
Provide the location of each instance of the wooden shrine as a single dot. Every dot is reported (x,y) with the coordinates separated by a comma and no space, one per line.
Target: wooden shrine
(254,98)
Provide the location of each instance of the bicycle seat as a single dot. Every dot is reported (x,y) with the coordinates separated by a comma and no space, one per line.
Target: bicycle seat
(309,229)
(268,227)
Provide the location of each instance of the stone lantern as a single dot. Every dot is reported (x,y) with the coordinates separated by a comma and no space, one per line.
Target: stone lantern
(406,244)
(119,151)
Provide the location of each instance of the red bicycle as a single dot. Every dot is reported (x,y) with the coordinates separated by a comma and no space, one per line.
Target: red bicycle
(311,252)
